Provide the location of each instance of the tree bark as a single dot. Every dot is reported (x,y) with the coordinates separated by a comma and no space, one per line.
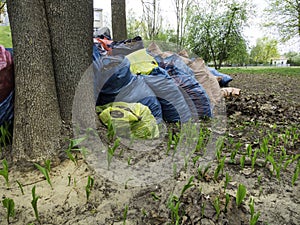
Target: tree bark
(37,121)
(118,15)
(52,43)
(71,32)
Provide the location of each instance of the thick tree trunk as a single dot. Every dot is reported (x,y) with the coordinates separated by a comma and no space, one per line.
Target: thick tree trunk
(37,122)
(71,31)
(118,15)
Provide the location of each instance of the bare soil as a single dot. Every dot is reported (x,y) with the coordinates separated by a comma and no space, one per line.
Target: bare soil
(268,111)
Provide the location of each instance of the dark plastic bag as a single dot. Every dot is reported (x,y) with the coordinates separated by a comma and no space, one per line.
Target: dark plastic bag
(173,104)
(225,78)
(114,82)
(184,78)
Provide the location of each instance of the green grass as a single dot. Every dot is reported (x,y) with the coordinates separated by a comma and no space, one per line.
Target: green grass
(260,70)
(5,35)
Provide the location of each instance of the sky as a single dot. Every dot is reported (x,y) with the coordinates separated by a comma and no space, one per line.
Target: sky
(251,33)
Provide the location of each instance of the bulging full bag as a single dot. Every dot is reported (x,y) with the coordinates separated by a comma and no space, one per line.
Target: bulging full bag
(129,119)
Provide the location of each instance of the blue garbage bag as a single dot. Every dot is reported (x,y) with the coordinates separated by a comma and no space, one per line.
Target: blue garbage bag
(185,79)
(7,109)
(173,104)
(114,82)
(225,78)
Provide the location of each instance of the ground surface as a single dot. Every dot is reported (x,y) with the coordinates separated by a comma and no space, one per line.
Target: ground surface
(265,117)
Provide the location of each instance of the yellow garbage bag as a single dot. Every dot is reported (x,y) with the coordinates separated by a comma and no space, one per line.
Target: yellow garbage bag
(129,119)
(141,62)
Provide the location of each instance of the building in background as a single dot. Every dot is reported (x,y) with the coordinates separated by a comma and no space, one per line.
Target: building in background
(98,19)
(282,61)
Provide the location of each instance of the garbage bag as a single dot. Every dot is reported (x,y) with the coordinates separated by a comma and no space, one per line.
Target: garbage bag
(138,91)
(113,81)
(111,74)
(173,104)
(128,46)
(6,109)
(208,81)
(141,62)
(6,74)
(184,78)
(225,78)
(129,119)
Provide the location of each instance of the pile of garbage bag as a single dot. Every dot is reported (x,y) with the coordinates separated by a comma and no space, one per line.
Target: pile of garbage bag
(173,86)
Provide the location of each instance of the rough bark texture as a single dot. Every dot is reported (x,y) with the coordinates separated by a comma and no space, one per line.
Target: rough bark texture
(71,31)
(37,122)
(52,43)
(118,15)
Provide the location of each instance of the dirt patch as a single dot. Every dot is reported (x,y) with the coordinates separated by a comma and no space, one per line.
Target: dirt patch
(265,117)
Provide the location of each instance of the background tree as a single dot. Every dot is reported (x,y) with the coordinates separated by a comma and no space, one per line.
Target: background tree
(216,29)
(118,17)
(293,58)
(182,10)
(2,5)
(284,15)
(239,54)
(264,50)
(151,18)
(135,27)
(52,43)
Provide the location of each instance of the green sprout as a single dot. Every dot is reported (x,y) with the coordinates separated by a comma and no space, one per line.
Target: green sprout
(89,187)
(47,165)
(5,135)
(9,204)
(155,196)
(111,151)
(173,204)
(219,168)
(254,216)
(4,172)
(249,150)
(20,186)
(219,147)
(296,173)
(253,159)
(45,172)
(217,206)
(242,161)
(205,170)
(111,130)
(227,199)
(72,147)
(232,156)
(227,180)
(188,185)
(275,166)
(241,194)
(195,159)
(125,214)
(34,204)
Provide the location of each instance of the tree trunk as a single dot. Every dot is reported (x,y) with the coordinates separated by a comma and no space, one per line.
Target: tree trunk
(118,15)
(37,122)
(71,32)
(52,43)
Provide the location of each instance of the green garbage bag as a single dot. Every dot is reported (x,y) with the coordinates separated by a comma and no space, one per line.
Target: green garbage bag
(141,62)
(129,119)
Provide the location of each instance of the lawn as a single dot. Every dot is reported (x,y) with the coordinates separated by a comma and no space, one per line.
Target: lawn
(5,35)
(262,70)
